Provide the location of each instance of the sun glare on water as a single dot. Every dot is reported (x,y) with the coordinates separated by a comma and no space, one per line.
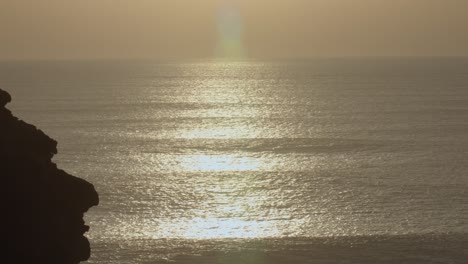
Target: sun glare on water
(219,163)
(215,228)
(226,214)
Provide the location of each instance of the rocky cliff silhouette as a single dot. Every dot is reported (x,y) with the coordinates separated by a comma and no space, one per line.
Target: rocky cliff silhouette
(42,206)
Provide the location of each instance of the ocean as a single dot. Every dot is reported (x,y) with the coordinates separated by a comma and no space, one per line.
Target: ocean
(338,160)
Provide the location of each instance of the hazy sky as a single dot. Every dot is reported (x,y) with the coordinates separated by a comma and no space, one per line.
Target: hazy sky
(59,29)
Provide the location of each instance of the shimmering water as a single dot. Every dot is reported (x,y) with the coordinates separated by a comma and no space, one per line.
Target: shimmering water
(320,161)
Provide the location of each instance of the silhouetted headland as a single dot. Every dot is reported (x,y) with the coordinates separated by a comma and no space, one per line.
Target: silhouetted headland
(43,206)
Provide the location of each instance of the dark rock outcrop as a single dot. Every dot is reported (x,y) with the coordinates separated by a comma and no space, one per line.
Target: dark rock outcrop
(42,206)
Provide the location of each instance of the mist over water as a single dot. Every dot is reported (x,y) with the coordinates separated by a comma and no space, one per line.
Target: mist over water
(197,161)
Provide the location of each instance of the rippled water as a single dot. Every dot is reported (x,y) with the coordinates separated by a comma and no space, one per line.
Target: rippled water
(320,161)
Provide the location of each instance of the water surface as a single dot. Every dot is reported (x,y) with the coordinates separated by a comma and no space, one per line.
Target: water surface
(318,161)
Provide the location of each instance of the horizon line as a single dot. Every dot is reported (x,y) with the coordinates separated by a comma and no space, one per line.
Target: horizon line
(233,59)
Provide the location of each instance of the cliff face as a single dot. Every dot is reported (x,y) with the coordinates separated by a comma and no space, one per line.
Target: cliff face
(42,206)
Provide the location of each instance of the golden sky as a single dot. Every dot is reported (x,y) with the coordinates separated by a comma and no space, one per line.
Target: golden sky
(86,29)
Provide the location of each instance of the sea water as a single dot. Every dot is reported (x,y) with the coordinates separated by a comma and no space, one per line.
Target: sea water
(306,161)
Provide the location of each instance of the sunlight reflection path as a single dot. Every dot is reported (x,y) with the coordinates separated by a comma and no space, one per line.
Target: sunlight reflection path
(218,228)
(228,213)
(234,206)
(229,162)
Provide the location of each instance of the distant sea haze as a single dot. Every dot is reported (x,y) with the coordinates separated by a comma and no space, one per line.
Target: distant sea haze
(307,161)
